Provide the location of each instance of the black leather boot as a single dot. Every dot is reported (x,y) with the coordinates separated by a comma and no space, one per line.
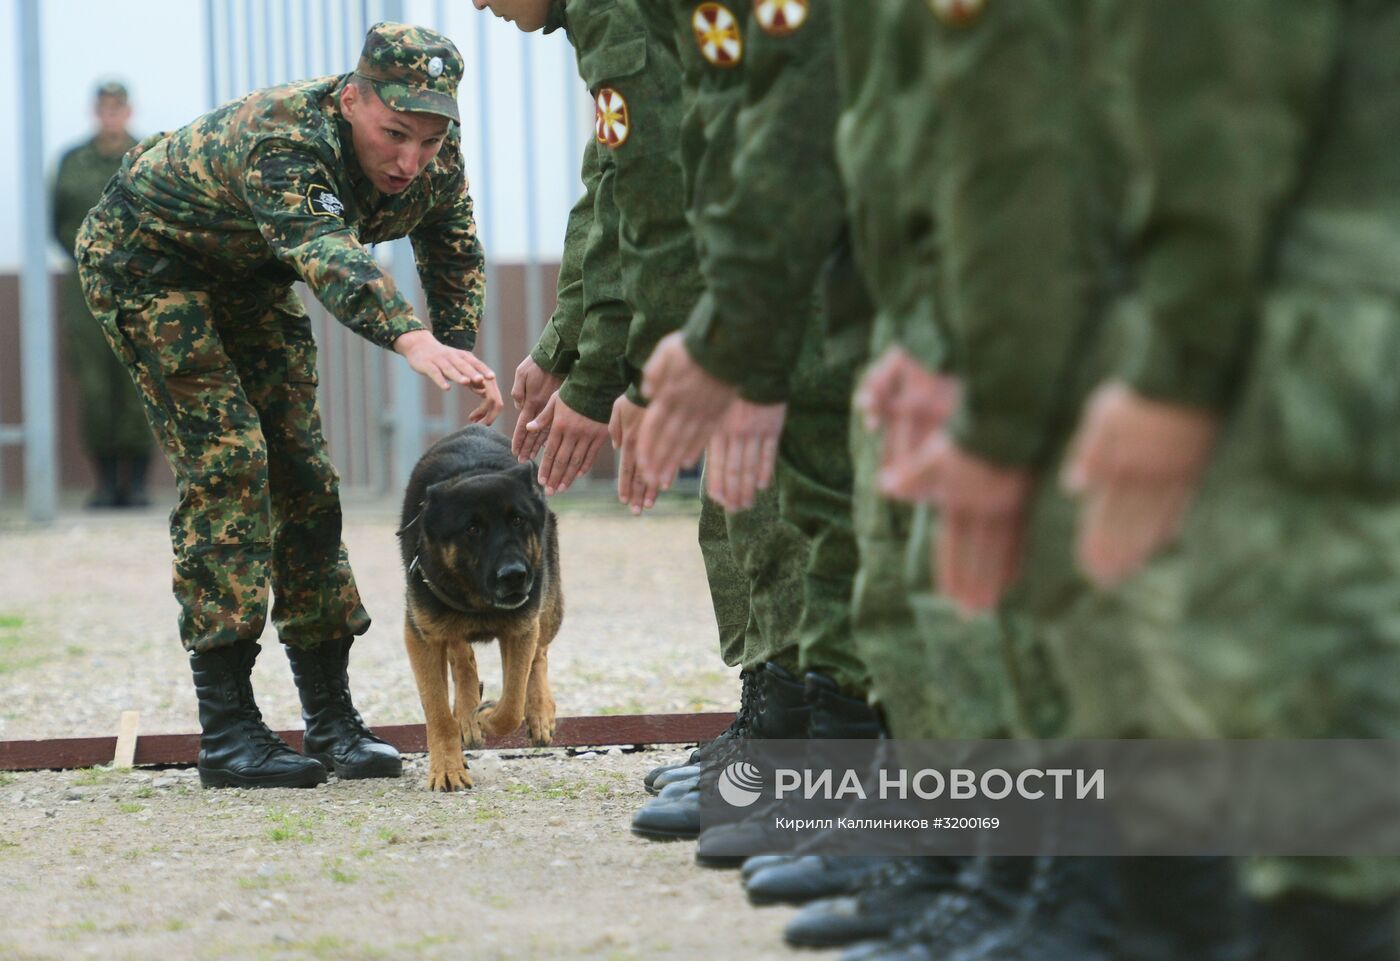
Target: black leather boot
(134,471)
(108,492)
(807,877)
(663,774)
(888,894)
(1309,926)
(779,711)
(236,749)
(1184,907)
(1013,909)
(831,716)
(336,735)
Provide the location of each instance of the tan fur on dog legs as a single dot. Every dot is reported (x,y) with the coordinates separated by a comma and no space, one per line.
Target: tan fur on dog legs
(447,770)
(517,656)
(466,693)
(539,701)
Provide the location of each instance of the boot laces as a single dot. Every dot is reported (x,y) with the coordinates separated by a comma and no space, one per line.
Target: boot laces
(334,688)
(258,731)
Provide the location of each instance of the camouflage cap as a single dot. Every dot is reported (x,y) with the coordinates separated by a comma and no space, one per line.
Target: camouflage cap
(414,69)
(111,88)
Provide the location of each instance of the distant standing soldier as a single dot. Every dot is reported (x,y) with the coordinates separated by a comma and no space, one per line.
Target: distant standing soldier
(188,262)
(115,434)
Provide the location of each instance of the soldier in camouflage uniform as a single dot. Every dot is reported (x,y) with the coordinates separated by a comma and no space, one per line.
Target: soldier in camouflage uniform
(766,333)
(1264,387)
(629,276)
(115,434)
(188,264)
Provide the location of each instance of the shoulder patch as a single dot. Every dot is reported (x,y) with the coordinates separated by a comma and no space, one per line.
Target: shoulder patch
(322,202)
(957,13)
(717,34)
(612,125)
(778,18)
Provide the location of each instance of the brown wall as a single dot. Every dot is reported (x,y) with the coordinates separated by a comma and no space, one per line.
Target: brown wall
(76,473)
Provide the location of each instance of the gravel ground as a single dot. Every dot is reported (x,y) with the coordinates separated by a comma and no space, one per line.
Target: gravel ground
(535,862)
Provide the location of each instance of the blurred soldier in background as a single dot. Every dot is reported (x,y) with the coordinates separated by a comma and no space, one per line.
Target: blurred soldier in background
(188,262)
(114,429)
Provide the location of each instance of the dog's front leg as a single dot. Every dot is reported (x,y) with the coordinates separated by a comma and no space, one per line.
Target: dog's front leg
(539,700)
(447,770)
(517,655)
(466,693)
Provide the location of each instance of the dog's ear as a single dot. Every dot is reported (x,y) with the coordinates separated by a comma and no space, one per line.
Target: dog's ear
(527,474)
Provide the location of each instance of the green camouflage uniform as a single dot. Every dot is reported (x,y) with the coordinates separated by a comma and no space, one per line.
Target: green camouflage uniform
(113,424)
(188,263)
(1284,579)
(762,323)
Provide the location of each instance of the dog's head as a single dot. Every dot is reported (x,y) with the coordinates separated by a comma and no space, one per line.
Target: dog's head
(486,534)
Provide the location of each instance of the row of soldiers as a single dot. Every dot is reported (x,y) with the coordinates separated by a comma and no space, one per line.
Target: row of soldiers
(1043,354)
(1043,359)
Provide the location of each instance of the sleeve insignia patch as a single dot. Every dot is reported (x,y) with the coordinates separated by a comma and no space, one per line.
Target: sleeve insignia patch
(717,33)
(778,18)
(322,202)
(957,13)
(613,124)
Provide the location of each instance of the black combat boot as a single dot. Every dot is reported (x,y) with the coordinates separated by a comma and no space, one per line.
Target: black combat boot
(779,711)
(887,893)
(1309,926)
(1013,909)
(807,877)
(831,716)
(236,749)
(134,481)
(108,492)
(336,735)
(663,774)
(1184,907)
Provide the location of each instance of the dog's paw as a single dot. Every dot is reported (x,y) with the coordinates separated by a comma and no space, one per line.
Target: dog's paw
(491,724)
(472,738)
(541,729)
(446,778)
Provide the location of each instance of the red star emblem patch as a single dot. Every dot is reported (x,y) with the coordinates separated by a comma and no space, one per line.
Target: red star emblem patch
(778,18)
(613,124)
(717,34)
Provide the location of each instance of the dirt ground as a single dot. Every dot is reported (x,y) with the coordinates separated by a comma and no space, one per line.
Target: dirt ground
(535,862)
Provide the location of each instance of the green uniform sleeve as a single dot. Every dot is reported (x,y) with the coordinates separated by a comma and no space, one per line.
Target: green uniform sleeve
(557,348)
(67,218)
(598,375)
(1228,94)
(452,268)
(763,246)
(1014,269)
(323,250)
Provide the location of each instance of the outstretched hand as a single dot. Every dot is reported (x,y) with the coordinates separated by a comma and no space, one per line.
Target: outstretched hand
(1137,464)
(623,429)
(743,453)
(684,404)
(445,366)
(530,391)
(572,444)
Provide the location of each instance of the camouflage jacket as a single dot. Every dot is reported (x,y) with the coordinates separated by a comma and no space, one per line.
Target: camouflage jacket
(629,272)
(267,190)
(764,241)
(82,173)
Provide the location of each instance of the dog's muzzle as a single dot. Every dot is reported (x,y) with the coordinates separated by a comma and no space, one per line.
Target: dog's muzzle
(513,585)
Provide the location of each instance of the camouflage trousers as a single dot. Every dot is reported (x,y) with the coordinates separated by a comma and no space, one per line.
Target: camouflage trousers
(111,414)
(229,386)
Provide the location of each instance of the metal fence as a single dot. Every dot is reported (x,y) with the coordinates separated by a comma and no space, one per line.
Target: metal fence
(378,415)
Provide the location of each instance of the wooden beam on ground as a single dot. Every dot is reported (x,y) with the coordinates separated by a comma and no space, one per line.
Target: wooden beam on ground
(125,754)
(182,749)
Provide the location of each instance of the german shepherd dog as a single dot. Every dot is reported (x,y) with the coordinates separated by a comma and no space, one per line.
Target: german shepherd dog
(481,555)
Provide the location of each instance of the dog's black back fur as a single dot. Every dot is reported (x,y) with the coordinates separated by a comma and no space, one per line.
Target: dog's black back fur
(471,512)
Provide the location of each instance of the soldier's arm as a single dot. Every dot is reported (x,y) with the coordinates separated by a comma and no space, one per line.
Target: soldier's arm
(558,346)
(452,269)
(598,377)
(1228,94)
(321,247)
(764,245)
(1013,244)
(66,221)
